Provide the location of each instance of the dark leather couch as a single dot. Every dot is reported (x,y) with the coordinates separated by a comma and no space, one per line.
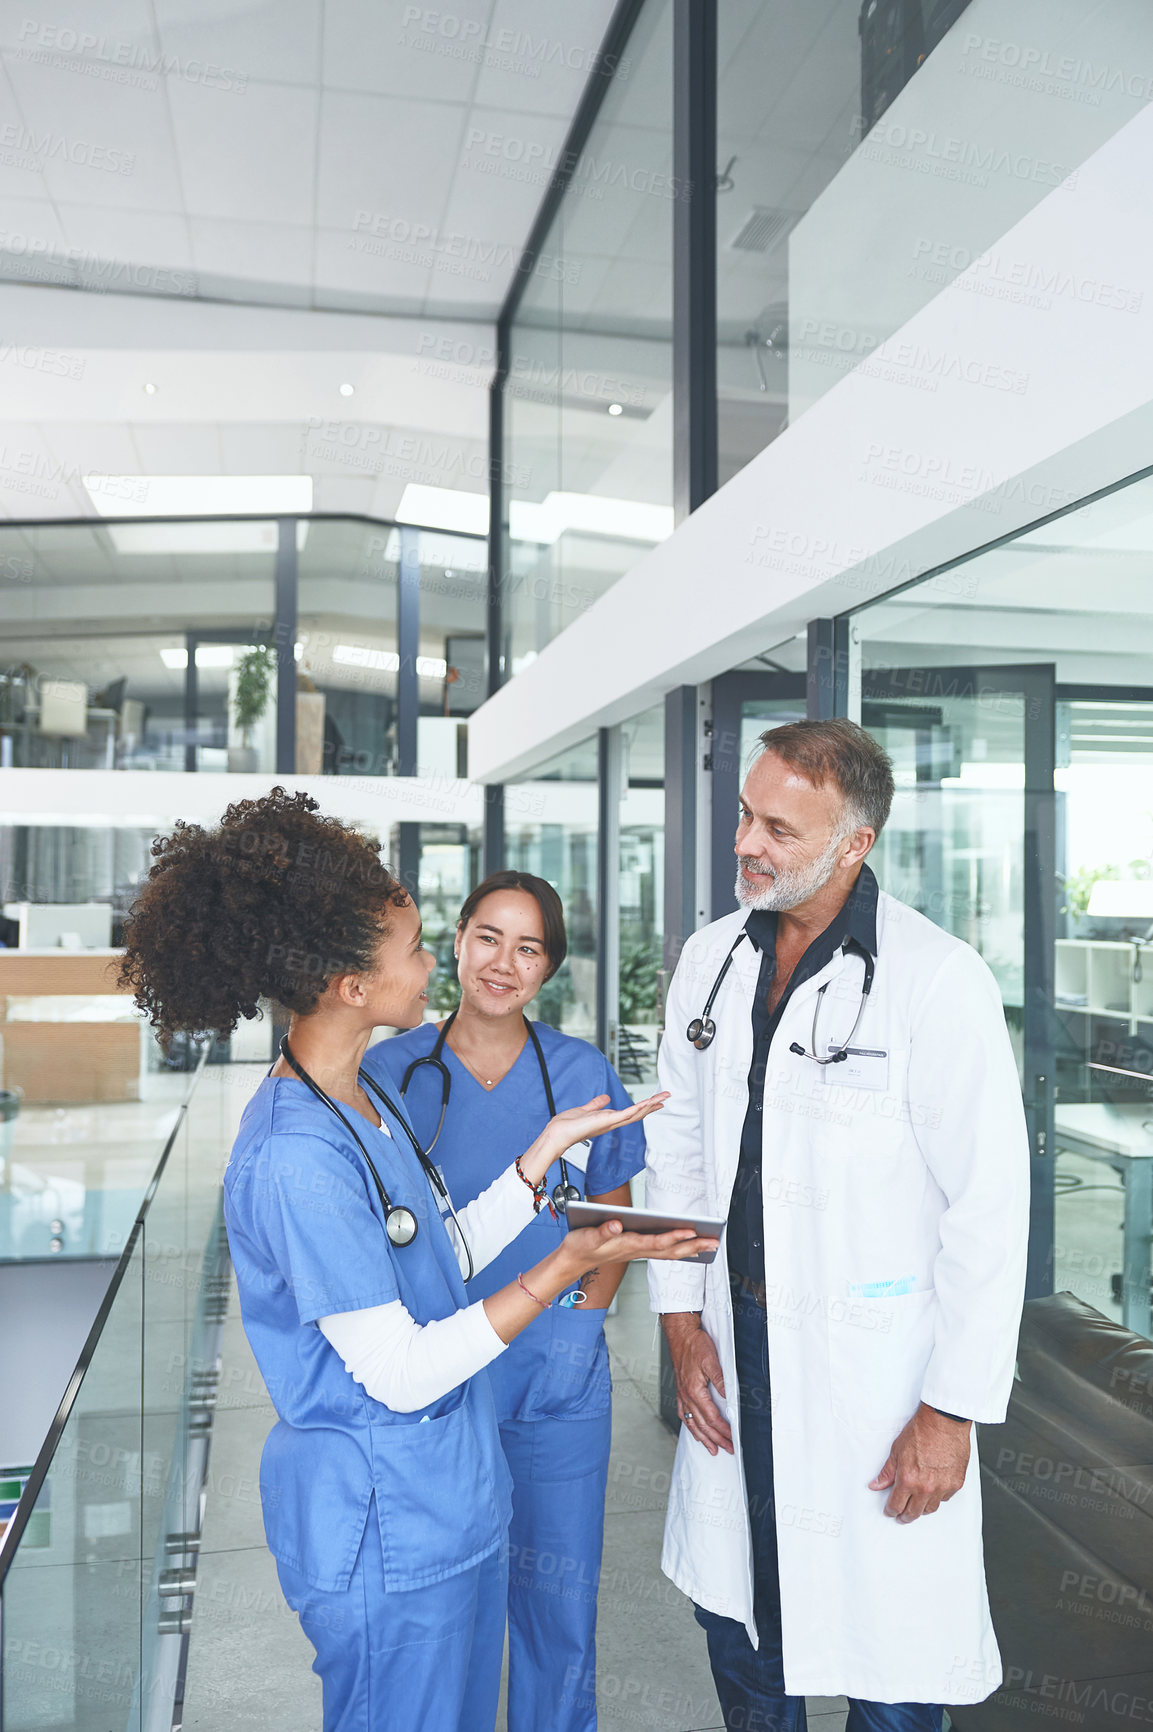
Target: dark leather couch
(1068,1491)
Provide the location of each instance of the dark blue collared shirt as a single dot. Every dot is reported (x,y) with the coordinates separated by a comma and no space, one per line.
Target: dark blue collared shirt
(855,927)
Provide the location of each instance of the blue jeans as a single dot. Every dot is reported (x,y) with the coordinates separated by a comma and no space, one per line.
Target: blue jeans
(751,1681)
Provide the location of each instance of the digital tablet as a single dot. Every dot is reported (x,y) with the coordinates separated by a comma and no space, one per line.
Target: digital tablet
(645,1221)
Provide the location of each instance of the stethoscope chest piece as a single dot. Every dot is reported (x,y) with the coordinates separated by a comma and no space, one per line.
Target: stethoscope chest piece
(702,1031)
(400,1224)
(563,1195)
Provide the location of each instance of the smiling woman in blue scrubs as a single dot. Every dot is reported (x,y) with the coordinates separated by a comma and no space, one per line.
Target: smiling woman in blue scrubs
(383,1483)
(493,1072)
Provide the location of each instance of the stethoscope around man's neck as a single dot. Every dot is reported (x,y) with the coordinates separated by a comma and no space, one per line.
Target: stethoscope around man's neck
(400,1222)
(702,1030)
(563,1193)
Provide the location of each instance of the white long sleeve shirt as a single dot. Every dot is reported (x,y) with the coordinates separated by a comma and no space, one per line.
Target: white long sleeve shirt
(405,1364)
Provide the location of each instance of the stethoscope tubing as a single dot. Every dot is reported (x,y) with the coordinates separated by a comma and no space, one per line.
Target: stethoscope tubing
(391,1209)
(566,1191)
(702,1030)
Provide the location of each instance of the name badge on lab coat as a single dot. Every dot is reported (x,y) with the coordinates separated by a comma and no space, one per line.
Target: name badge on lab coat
(866,1067)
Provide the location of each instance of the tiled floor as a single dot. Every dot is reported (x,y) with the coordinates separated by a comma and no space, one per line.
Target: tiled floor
(249,1663)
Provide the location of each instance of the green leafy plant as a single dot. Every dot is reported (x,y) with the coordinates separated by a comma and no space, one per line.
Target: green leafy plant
(638,990)
(1079,886)
(255,672)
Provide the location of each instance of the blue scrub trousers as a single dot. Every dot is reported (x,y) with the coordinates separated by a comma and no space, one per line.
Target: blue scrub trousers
(389,1661)
(751,1681)
(560,1473)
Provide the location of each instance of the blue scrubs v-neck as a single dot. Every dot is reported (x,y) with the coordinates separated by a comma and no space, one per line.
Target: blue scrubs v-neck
(307,1236)
(558,1366)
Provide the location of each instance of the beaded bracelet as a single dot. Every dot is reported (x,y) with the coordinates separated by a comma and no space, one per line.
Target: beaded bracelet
(539,1192)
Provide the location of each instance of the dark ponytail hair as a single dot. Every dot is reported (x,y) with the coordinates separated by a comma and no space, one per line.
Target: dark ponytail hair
(550,905)
(272,903)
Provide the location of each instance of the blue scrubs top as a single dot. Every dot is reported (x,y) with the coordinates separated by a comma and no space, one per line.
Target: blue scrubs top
(557,1368)
(306,1231)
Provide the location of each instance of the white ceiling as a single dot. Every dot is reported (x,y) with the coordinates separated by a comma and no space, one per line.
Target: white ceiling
(266,204)
(348,155)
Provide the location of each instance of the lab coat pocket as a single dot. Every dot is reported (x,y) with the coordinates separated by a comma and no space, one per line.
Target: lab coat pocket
(878,1352)
(437,1483)
(575,1382)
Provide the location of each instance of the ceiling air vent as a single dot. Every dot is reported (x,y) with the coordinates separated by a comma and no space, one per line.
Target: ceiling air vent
(763,228)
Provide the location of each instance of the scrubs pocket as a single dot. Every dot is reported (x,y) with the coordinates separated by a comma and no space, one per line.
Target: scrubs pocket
(574,1382)
(878,1353)
(437,1496)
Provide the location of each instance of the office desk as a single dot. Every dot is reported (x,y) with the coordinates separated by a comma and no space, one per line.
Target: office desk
(67,1033)
(1118,1137)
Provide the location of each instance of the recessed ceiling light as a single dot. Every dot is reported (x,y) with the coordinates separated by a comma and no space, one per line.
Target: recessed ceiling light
(616,409)
(346,390)
(150,389)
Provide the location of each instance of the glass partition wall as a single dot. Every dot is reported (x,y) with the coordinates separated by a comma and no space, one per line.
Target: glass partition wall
(868,154)
(587,460)
(1022,824)
(155,645)
(1014,695)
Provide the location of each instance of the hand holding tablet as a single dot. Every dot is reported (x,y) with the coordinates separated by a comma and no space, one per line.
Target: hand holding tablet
(645,1221)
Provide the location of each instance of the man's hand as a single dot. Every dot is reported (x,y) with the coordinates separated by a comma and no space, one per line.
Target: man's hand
(926,1465)
(696,1365)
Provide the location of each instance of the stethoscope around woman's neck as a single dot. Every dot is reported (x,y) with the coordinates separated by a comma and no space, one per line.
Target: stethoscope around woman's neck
(400,1222)
(563,1193)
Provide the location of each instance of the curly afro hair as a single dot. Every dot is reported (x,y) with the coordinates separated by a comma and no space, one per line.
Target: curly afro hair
(272,904)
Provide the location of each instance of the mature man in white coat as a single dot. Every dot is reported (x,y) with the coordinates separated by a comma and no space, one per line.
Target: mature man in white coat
(850,1103)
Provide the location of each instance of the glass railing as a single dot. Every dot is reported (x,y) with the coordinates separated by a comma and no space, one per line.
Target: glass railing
(98,1559)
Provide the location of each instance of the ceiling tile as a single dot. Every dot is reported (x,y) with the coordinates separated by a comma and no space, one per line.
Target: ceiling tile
(537,59)
(393,273)
(261,448)
(177,448)
(261,252)
(146,237)
(233,47)
(99,144)
(247,157)
(122,35)
(408,51)
(386,165)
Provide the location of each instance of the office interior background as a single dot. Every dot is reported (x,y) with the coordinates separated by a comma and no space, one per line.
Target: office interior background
(491,419)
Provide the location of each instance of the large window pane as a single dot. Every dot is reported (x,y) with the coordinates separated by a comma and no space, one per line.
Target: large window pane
(551,830)
(1011,694)
(871,154)
(96,623)
(642,895)
(588,405)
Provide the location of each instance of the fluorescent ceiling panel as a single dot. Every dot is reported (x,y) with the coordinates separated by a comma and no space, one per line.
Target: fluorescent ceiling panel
(226,535)
(444,508)
(387,661)
(198,495)
(591,514)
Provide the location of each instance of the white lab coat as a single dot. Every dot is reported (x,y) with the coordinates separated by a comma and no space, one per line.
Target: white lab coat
(896,1222)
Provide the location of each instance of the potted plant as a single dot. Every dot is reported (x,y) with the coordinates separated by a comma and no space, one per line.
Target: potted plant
(255,672)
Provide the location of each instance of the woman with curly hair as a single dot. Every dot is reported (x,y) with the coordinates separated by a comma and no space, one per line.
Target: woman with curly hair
(384,1487)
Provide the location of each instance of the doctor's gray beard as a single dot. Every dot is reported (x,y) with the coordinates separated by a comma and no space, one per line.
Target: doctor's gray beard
(789,886)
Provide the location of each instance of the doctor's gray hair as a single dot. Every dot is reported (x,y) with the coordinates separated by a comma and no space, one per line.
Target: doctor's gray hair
(839,751)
